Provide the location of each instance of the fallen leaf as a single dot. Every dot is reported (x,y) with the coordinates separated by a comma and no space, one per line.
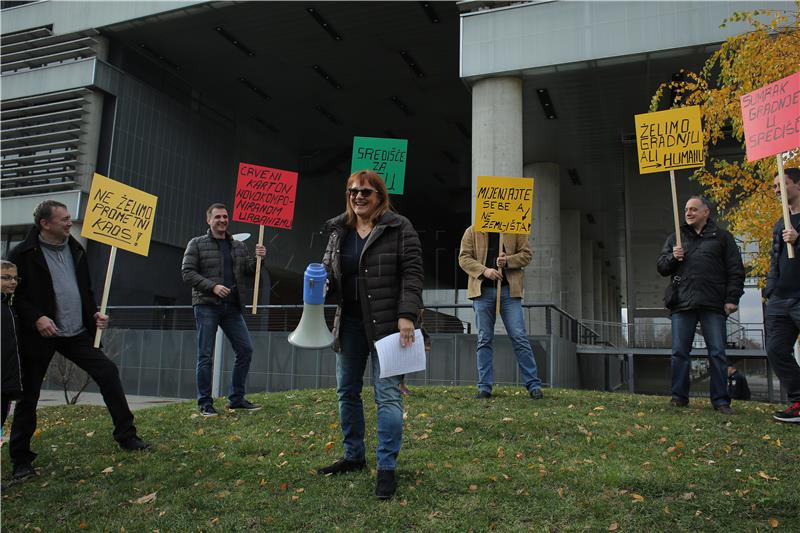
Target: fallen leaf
(223,494)
(329,445)
(283,487)
(300,490)
(687,496)
(600,408)
(766,476)
(473,488)
(773,522)
(147,498)
(507,419)
(90,434)
(83,525)
(613,527)
(107,470)
(458,430)
(215,521)
(501,452)
(637,497)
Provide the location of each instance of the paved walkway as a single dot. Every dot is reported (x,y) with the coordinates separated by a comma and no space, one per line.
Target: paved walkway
(53,397)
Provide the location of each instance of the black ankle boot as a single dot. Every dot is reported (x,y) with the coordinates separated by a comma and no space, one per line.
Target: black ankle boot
(386,485)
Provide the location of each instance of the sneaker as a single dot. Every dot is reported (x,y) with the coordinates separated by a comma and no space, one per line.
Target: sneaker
(678,402)
(342,466)
(22,471)
(791,414)
(208,410)
(536,394)
(243,405)
(386,485)
(724,409)
(483,395)
(134,444)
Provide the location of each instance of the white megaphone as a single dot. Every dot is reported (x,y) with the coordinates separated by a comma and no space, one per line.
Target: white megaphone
(312,332)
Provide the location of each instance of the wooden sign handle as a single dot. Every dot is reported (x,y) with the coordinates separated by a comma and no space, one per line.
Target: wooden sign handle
(787,218)
(499,281)
(675,214)
(258,270)
(106,290)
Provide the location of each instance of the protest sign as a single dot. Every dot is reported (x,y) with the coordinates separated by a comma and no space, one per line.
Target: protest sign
(771,118)
(265,196)
(122,217)
(771,121)
(670,140)
(386,157)
(503,205)
(119,215)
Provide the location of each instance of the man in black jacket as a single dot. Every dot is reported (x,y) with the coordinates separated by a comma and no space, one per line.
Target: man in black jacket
(707,276)
(214,265)
(782,319)
(57,311)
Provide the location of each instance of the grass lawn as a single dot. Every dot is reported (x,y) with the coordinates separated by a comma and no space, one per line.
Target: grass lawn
(575,461)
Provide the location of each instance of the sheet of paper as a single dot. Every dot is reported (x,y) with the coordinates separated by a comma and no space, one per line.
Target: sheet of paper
(396,360)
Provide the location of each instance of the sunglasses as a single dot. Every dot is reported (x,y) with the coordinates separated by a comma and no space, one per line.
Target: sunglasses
(6,277)
(365,192)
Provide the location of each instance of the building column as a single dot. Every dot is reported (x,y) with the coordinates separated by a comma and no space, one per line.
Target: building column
(496,130)
(587,280)
(496,134)
(598,282)
(543,276)
(571,275)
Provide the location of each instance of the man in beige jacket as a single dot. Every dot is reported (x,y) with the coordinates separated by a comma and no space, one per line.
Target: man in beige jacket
(483,261)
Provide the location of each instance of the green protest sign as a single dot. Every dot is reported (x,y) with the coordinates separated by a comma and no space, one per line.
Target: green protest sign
(387,157)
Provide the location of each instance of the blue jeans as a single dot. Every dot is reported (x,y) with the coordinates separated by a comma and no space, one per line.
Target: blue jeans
(229,318)
(350,365)
(712,325)
(511,313)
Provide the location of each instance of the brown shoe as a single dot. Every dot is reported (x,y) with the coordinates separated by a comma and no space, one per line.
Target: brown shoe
(678,402)
(724,409)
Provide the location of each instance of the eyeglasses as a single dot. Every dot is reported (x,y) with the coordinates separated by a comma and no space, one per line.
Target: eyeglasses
(365,192)
(6,277)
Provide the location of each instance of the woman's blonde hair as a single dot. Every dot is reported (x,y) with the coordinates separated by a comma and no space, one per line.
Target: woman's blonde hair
(376,182)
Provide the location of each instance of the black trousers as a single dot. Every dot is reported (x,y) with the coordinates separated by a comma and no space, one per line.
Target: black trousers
(6,407)
(37,352)
(782,323)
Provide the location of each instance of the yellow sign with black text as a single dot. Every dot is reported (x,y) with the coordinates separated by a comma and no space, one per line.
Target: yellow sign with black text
(504,205)
(670,140)
(119,215)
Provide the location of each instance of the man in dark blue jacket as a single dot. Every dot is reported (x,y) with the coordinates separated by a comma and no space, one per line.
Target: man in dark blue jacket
(707,278)
(782,318)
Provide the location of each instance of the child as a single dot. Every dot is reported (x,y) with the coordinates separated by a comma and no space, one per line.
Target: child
(11,380)
(737,385)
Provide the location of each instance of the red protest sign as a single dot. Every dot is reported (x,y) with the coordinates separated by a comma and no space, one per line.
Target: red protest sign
(771,118)
(265,196)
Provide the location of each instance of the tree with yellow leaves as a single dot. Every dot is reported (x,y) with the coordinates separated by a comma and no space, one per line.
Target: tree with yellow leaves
(743,63)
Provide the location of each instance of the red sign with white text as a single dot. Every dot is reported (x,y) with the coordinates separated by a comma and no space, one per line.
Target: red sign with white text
(771,118)
(265,196)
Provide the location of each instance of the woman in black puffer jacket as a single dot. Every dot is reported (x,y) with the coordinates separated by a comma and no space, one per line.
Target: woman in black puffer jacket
(374,261)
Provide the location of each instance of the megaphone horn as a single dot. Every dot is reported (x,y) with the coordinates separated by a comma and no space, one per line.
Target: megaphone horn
(312,332)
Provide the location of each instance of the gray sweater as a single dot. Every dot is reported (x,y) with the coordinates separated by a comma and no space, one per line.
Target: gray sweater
(69,317)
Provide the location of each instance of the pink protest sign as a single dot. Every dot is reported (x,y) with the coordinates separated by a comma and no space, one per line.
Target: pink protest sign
(265,196)
(771,118)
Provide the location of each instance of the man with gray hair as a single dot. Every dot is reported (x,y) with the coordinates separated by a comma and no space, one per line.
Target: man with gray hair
(706,281)
(58,312)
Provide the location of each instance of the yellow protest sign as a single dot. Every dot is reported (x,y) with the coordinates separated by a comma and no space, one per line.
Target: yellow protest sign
(119,215)
(670,140)
(503,205)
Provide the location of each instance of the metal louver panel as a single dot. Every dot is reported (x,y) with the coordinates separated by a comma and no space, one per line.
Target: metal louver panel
(42,136)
